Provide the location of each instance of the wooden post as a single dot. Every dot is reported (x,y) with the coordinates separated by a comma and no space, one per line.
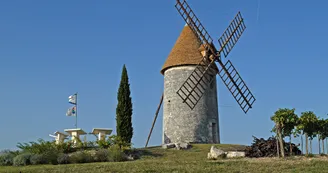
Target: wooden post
(156,114)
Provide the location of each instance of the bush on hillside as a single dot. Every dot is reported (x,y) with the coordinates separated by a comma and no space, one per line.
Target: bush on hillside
(63,158)
(48,152)
(65,147)
(117,141)
(37,159)
(113,140)
(102,155)
(80,157)
(39,147)
(132,154)
(51,156)
(7,158)
(116,154)
(42,146)
(104,143)
(22,159)
(310,155)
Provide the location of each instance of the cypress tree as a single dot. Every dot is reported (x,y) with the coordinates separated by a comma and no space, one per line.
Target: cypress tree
(124,127)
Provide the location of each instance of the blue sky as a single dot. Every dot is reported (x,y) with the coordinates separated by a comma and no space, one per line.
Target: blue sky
(52,49)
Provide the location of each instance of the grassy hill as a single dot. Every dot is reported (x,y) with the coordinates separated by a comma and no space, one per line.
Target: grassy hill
(156,159)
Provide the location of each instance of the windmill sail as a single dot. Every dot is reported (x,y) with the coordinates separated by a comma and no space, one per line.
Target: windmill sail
(197,82)
(236,86)
(196,26)
(227,71)
(232,34)
(194,87)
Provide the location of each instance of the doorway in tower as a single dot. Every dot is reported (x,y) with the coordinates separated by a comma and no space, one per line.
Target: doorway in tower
(214,134)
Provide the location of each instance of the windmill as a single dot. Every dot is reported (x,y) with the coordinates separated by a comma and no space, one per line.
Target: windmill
(189,79)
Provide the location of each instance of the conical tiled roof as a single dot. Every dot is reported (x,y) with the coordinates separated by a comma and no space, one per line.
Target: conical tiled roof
(185,51)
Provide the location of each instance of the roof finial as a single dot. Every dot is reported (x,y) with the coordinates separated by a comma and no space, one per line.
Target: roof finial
(187,22)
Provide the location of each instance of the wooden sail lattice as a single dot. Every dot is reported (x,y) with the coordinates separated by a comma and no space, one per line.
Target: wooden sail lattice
(237,86)
(197,82)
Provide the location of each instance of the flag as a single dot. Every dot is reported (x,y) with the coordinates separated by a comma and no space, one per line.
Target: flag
(72,99)
(71,111)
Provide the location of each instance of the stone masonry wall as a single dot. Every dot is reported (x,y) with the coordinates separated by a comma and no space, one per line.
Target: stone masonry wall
(180,123)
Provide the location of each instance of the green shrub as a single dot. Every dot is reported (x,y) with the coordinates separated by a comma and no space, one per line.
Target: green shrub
(37,159)
(51,156)
(133,153)
(22,159)
(113,140)
(84,144)
(65,147)
(310,155)
(89,144)
(116,154)
(102,155)
(104,143)
(80,157)
(7,158)
(118,141)
(63,158)
(39,147)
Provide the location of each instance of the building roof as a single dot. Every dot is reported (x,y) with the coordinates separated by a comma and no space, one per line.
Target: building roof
(185,51)
(57,132)
(78,130)
(105,130)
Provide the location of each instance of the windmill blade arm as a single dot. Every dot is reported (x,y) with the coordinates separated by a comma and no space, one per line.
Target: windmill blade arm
(236,85)
(195,86)
(232,34)
(196,26)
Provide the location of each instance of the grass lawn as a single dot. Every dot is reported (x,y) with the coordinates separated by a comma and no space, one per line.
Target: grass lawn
(193,160)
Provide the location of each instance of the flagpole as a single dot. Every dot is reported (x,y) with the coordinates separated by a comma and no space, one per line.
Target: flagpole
(76,110)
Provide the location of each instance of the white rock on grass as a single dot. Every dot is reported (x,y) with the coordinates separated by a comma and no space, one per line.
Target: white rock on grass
(216,153)
(167,146)
(178,146)
(185,145)
(234,154)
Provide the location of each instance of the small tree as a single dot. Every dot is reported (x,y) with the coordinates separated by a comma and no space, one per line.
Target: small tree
(323,133)
(290,127)
(299,132)
(124,127)
(319,131)
(307,124)
(285,120)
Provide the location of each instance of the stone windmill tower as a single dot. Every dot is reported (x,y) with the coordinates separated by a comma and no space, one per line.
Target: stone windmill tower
(190,105)
(180,123)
